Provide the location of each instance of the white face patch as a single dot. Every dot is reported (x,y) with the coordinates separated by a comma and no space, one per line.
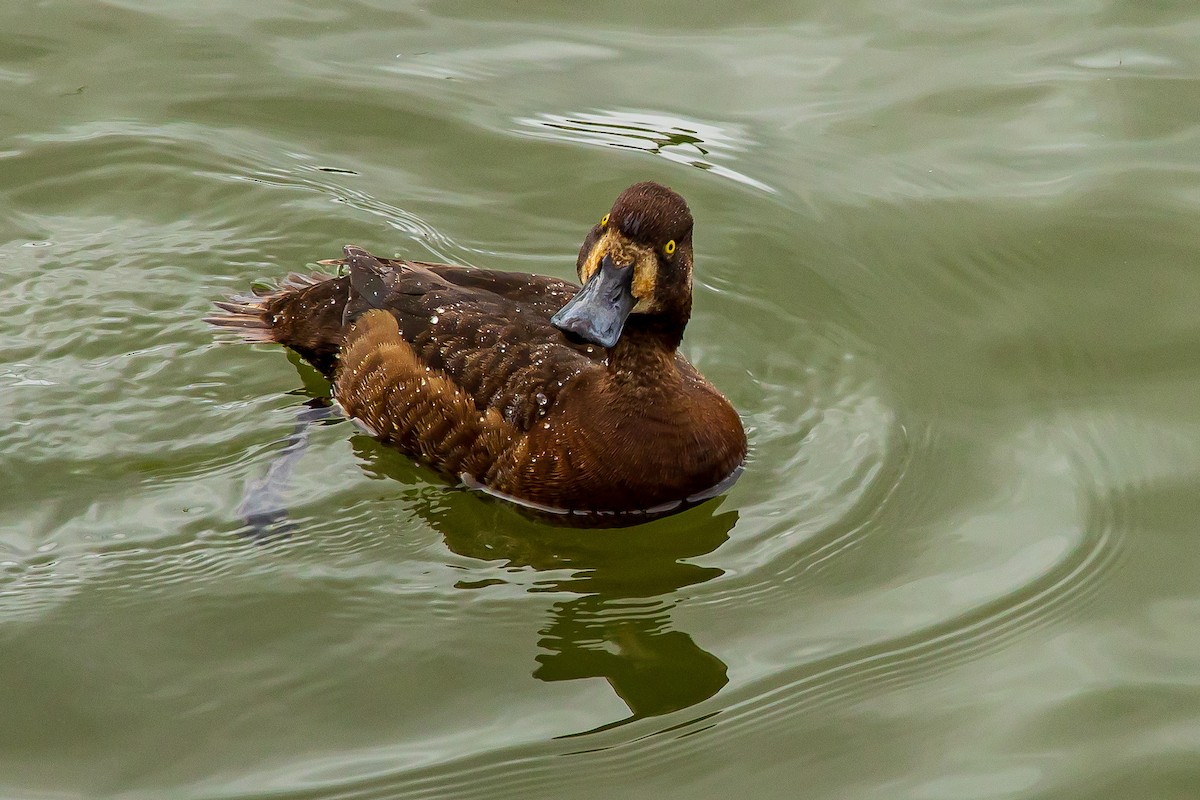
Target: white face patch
(623,251)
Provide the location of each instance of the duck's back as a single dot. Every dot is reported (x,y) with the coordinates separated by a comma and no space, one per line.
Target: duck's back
(462,368)
(488,331)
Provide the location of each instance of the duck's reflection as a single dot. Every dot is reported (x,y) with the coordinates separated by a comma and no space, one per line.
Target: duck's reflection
(618,625)
(653,669)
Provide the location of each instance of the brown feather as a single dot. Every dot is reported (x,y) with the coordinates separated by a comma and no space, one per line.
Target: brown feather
(422,411)
(462,368)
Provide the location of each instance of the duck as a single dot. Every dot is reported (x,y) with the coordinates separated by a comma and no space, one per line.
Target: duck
(560,397)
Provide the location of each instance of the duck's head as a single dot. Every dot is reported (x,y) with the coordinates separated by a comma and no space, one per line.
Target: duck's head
(636,264)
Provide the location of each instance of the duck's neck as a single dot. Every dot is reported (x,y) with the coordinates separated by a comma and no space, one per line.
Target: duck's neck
(644,356)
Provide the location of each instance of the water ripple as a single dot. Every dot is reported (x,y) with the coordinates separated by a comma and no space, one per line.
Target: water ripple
(704,145)
(947,275)
(754,711)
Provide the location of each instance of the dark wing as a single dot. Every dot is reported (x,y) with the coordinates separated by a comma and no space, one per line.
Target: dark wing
(540,295)
(489,332)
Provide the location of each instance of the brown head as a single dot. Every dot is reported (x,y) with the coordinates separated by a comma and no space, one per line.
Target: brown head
(636,267)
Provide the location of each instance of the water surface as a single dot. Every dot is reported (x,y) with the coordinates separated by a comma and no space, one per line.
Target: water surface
(946,270)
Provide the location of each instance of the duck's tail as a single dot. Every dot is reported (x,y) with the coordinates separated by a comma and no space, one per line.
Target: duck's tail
(303,312)
(250,315)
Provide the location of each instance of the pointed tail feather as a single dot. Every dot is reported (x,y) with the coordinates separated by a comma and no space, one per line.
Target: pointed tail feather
(245,317)
(249,316)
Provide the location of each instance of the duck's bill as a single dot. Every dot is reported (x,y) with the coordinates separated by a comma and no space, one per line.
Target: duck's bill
(597,313)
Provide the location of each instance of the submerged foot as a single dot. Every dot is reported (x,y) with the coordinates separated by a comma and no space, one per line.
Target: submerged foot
(263,507)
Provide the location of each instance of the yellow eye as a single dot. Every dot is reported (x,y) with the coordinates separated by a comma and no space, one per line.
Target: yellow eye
(604,221)
(669,249)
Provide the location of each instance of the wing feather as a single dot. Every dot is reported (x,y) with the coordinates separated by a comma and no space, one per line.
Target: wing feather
(488,332)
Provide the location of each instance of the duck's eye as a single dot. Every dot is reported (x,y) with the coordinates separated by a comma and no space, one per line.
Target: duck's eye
(604,220)
(669,247)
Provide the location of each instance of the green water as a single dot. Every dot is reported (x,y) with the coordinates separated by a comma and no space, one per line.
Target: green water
(947,269)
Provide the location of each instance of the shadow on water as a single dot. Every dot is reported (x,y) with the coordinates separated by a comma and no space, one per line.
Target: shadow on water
(616,622)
